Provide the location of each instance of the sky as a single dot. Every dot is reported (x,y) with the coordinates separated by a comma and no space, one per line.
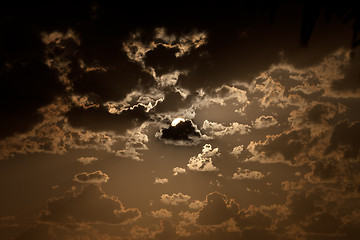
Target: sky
(180,120)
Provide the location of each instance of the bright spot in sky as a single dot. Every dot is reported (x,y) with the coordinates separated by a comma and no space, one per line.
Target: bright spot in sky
(176,121)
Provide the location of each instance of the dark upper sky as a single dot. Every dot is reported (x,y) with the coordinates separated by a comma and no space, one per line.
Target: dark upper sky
(180,120)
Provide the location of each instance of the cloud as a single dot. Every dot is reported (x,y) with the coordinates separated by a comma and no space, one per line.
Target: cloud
(264,122)
(345,138)
(237,150)
(184,133)
(86,160)
(219,130)
(274,93)
(161,180)
(167,232)
(162,213)
(54,135)
(175,199)
(196,205)
(135,142)
(94,177)
(286,147)
(60,49)
(20,83)
(178,170)
(100,119)
(203,161)
(178,46)
(247,174)
(217,209)
(89,205)
(315,116)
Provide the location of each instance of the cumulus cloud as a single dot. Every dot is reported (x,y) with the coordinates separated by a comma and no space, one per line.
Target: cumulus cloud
(161,180)
(219,130)
(237,150)
(178,170)
(94,177)
(86,160)
(247,174)
(175,199)
(274,93)
(162,213)
(138,50)
(183,134)
(203,161)
(89,205)
(55,135)
(223,95)
(217,210)
(286,147)
(196,205)
(264,122)
(135,142)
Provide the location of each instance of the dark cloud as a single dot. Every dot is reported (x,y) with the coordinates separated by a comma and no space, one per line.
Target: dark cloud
(173,101)
(326,169)
(162,59)
(39,231)
(26,86)
(345,137)
(120,78)
(217,210)
(90,205)
(168,231)
(288,144)
(99,119)
(183,131)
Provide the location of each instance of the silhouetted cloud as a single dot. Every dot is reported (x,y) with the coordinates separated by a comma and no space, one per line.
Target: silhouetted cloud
(184,133)
(89,205)
(94,177)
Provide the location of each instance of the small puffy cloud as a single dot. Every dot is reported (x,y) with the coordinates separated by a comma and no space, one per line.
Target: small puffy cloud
(247,174)
(162,213)
(161,180)
(237,150)
(86,160)
(94,177)
(203,161)
(219,130)
(175,199)
(178,170)
(196,205)
(264,122)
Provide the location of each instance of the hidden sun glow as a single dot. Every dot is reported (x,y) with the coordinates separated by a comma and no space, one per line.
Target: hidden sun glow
(176,121)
